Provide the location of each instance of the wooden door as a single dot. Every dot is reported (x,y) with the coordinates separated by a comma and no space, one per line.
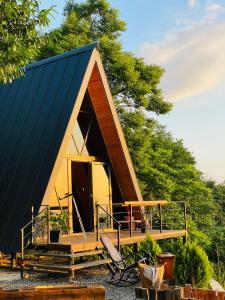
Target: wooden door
(81,188)
(101,193)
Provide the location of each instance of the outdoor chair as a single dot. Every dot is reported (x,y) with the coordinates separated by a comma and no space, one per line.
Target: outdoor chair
(123,272)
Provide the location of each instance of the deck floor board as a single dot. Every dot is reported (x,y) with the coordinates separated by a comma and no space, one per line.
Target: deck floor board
(77,242)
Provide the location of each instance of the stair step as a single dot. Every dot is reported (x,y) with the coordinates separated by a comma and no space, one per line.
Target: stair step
(74,255)
(91,264)
(69,267)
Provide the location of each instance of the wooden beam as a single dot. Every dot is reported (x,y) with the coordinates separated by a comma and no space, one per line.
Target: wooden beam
(83,158)
(145,203)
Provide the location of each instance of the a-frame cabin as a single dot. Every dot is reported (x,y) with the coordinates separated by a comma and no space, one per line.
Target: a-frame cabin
(60,134)
(93,162)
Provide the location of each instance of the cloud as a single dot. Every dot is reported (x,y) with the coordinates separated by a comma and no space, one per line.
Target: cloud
(213,11)
(192,3)
(194,59)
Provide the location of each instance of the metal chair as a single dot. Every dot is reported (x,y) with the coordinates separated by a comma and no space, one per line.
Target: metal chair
(123,272)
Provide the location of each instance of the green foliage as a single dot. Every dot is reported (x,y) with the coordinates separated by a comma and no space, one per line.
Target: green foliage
(19,36)
(218,191)
(127,250)
(133,83)
(149,245)
(128,253)
(59,221)
(199,237)
(171,245)
(166,169)
(216,250)
(192,266)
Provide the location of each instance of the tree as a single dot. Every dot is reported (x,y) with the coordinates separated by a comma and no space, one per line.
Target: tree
(165,168)
(218,191)
(19,37)
(133,83)
(216,250)
(192,266)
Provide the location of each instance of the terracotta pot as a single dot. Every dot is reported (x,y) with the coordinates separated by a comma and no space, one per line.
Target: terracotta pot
(168,260)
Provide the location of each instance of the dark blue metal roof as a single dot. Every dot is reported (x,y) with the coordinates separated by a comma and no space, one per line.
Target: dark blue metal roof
(34,113)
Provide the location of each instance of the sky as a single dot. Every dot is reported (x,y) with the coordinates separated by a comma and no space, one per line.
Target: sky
(186,38)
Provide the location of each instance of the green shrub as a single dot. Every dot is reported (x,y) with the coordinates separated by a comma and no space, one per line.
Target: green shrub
(171,245)
(128,251)
(149,245)
(192,266)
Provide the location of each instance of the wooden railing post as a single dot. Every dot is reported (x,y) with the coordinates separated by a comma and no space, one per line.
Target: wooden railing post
(97,223)
(32,224)
(22,252)
(48,224)
(118,238)
(130,221)
(160,216)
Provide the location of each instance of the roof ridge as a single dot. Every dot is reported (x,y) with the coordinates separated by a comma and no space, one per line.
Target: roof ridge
(72,52)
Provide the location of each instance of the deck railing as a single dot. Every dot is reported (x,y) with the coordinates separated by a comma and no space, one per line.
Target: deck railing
(145,216)
(135,217)
(111,218)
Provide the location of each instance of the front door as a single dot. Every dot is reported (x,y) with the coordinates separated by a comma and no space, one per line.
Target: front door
(81,188)
(91,184)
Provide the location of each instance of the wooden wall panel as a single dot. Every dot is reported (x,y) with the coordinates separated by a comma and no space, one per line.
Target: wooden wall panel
(112,133)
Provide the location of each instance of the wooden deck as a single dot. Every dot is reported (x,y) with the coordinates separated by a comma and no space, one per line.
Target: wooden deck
(77,242)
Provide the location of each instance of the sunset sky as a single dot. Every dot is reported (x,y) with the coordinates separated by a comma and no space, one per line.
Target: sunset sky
(187,38)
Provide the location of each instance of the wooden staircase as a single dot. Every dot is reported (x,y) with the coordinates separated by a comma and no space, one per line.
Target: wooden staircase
(65,263)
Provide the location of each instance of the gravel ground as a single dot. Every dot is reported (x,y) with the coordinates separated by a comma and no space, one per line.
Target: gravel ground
(11,280)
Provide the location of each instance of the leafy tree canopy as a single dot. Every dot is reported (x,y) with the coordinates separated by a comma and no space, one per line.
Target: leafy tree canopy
(134,84)
(19,36)
(218,191)
(165,168)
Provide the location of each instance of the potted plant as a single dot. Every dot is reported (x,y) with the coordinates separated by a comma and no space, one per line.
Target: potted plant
(58,223)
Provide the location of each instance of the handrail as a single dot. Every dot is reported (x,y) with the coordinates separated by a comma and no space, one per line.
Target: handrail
(33,219)
(112,218)
(25,236)
(116,221)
